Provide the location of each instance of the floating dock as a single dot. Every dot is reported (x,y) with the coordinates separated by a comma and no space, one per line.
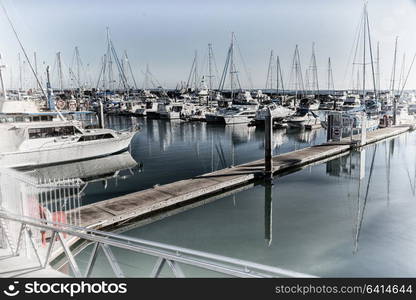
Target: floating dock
(121,209)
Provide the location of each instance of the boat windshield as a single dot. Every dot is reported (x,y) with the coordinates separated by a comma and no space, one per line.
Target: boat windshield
(48,132)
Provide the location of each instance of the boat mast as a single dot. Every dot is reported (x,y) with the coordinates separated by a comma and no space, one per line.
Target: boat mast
(35,61)
(296,68)
(192,73)
(109,62)
(392,84)
(279,75)
(210,65)
(21,46)
(269,79)
(3,87)
(20,72)
(51,102)
(60,73)
(364,50)
(78,65)
(331,87)
(371,55)
(378,66)
(393,76)
(196,83)
(105,74)
(402,68)
(210,56)
(232,71)
(11,78)
(315,83)
(146,78)
(130,69)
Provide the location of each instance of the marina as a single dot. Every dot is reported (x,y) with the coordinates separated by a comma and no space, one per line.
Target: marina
(154,140)
(110,212)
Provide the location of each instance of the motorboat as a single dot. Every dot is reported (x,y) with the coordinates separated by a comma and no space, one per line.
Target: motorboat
(309,104)
(149,108)
(351,102)
(278,113)
(28,144)
(245,98)
(176,111)
(302,118)
(232,115)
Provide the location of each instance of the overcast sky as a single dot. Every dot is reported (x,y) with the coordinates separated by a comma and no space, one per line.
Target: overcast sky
(165,34)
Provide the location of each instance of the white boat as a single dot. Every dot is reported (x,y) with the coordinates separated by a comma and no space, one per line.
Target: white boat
(245,98)
(330,103)
(309,104)
(351,102)
(403,116)
(200,112)
(148,108)
(303,118)
(353,119)
(278,113)
(232,115)
(176,111)
(160,108)
(412,108)
(29,144)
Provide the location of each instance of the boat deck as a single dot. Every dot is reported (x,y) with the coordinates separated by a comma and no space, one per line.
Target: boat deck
(120,209)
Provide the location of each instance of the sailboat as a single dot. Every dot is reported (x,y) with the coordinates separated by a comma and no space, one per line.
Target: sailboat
(353,108)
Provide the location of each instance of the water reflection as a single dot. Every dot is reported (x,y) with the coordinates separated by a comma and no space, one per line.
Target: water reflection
(268,213)
(175,150)
(99,169)
(352,216)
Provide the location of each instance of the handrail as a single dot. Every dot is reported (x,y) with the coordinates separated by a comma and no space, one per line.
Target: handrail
(164,252)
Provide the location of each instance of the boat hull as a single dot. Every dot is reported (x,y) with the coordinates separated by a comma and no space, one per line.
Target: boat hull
(66,152)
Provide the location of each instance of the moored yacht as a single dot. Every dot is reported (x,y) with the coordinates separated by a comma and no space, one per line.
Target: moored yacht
(232,115)
(303,118)
(309,104)
(25,144)
(278,113)
(351,102)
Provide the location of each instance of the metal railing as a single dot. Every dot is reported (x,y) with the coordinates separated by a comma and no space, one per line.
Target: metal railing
(171,256)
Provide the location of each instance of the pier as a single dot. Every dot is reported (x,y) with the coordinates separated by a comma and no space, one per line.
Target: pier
(115,211)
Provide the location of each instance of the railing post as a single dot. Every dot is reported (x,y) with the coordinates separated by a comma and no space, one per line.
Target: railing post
(177,271)
(71,260)
(50,248)
(92,260)
(157,268)
(112,260)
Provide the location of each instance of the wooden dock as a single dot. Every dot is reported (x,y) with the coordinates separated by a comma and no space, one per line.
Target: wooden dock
(121,209)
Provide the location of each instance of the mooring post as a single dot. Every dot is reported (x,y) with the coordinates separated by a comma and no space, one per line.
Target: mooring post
(363,139)
(268,134)
(268,213)
(101,114)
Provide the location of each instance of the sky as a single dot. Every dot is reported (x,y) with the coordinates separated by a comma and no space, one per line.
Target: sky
(165,34)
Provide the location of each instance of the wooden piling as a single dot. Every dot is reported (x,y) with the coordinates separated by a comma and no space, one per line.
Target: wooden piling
(268,149)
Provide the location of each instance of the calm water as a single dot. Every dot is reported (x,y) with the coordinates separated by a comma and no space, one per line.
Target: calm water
(175,150)
(352,216)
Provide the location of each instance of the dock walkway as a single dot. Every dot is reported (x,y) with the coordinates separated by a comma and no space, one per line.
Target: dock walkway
(24,267)
(114,211)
